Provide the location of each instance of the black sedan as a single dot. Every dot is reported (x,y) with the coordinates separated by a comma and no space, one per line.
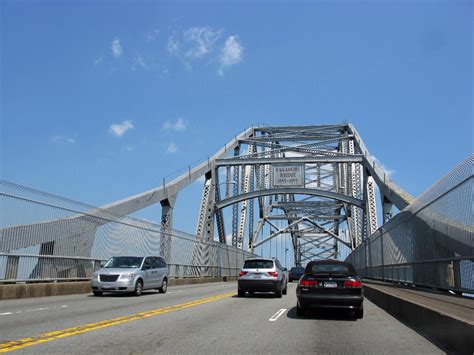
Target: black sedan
(330,284)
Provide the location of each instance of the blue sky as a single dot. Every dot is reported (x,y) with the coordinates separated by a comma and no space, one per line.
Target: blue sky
(101,99)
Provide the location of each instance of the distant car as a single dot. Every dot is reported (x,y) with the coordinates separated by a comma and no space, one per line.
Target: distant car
(262,275)
(295,273)
(330,284)
(131,274)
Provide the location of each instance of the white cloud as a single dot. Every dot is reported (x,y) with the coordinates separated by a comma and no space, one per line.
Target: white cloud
(152,35)
(201,41)
(172,148)
(116,48)
(179,126)
(98,60)
(173,45)
(138,62)
(119,129)
(231,53)
(63,140)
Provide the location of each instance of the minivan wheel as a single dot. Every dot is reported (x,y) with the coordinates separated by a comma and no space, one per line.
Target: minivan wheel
(164,286)
(138,288)
(97,293)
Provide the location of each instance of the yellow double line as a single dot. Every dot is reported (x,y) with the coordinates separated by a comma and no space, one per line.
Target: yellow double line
(58,334)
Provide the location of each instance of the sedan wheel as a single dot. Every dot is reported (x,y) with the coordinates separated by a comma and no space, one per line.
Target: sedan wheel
(299,311)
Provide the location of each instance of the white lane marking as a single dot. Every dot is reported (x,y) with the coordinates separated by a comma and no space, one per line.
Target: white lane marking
(277,315)
(34,310)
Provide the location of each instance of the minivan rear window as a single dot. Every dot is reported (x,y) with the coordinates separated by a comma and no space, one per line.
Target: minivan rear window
(258,264)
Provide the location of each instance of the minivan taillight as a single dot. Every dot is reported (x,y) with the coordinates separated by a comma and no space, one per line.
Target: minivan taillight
(273,273)
(352,284)
(308,283)
(243,273)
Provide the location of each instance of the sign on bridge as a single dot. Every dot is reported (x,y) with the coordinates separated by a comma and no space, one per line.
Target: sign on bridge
(288,175)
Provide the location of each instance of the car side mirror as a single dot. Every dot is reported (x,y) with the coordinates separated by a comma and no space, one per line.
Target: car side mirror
(146,267)
(102,263)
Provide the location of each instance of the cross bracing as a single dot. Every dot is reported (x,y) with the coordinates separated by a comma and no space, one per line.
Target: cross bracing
(313,184)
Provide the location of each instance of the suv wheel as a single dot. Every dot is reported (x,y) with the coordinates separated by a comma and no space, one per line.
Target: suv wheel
(164,286)
(278,293)
(285,290)
(241,293)
(138,288)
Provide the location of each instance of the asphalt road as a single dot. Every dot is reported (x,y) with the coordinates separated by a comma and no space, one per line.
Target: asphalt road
(206,318)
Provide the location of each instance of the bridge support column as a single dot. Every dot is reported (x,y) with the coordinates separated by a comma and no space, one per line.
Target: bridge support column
(167,206)
(387,209)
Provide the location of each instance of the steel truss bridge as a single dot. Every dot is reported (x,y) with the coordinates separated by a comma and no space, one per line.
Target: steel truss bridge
(320,182)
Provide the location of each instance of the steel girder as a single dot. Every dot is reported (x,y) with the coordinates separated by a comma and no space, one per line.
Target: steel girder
(337,199)
(331,176)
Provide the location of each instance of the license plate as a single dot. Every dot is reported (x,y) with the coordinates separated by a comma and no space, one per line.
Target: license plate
(106,286)
(330,284)
(257,276)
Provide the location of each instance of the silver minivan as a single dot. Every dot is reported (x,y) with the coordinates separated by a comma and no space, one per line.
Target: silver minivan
(131,274)
(262,275)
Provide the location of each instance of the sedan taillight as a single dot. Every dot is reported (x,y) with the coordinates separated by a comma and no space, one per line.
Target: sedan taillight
(352,284)
(243,273)
(308,283)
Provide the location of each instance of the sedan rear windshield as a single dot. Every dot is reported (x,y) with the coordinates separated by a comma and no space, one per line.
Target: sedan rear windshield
(124,262)
(258,264)
(329,268)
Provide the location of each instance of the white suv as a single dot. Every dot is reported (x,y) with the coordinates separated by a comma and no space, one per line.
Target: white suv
(262,275)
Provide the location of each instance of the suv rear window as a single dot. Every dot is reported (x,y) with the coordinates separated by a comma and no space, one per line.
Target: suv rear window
(258,264)
(297,269)
(325,268)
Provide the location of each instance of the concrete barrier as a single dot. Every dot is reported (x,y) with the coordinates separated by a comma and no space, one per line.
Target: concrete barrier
(448,331)
(43,289)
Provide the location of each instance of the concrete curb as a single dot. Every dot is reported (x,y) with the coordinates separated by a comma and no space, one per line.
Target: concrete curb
(449,332)
(27,290)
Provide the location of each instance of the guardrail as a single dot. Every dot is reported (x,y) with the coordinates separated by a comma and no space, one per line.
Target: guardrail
(16,268)
(429,243)
(47,237)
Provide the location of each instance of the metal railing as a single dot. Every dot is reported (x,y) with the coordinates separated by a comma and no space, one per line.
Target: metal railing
(44,268)
(431,242)
(47,237)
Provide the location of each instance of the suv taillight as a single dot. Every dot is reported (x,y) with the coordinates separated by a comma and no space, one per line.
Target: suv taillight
(352,284)
(308,283)
(273,273)
(243,273)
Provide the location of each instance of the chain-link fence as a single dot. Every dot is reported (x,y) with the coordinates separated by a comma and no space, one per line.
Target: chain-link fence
(46,237)
(429,243)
